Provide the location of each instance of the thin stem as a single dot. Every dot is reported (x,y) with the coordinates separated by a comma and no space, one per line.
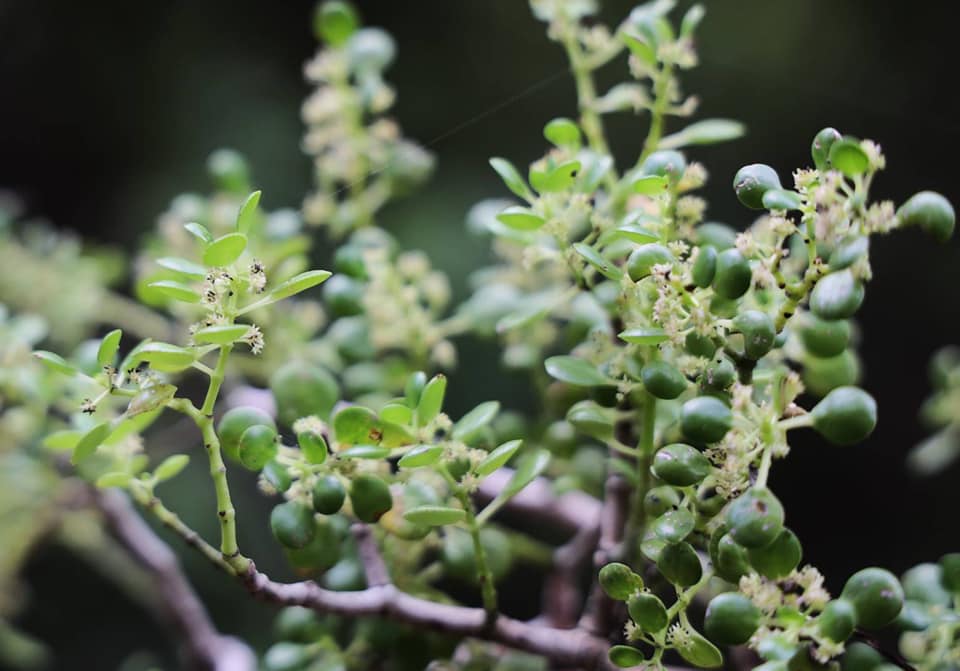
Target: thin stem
(661,88)
(798,422)
(766,460)
(488,590)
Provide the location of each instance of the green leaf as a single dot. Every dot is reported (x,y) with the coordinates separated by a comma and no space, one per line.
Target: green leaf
(171,467)
(644,336)
(468,425)
(150,398)
(356,425)
(109,347)
(563,133)
(55,362)
(222,334)
(603,266)
(708,131)
(532,308)
(701,652)
(848,157)
(397,413)
(248,213)
(639,47)
(651,185)
(576,371)
(625,656)
(166,357)
(636,233)
(199,231)
(299,283)
(313,446)
(521,218)
(781,199)
(691,20)
(191,270)
(511,177)
(421,455)
(431,399)
(225,250)
(498,457)
(529,468)
(365,452)
(114,479)
(176,290)
(595,169)
(90,442)
(555,179)
(66,439)
(434,516)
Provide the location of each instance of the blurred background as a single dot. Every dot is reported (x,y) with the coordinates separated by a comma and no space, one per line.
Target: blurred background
(109,109)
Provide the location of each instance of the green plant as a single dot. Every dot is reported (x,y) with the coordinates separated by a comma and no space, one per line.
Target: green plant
(671,351)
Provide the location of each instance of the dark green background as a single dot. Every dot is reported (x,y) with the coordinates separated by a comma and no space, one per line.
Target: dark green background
(109,109)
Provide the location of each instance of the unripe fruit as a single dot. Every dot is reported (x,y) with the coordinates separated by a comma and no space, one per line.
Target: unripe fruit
(821,376)
(779,558)
(755,518)
(732,559)
(924,583)
(680,465)
(731,619)
(733,275)
(752,181)
(619,581)
(625,656)
(825,338)
(322,552)
(302,389)
(645,257)
(950,565)
(674,525)
(846,415)
(665,163)
(820,149)
(704,267)
(718,375)
(861,657)
(663,380)
(931,212)
(285,656)
(348,260)
(838,620)
(237,420)
(705,419)
(343,295)
(679,564)
(370,497)
(849,251)
(659,500)
(876,595)
(648,612)
(334,22)
(758,332)
(837,296)
(700,345)
(371,49)
(328,495)
(715,234)
(292,524)
(258,445)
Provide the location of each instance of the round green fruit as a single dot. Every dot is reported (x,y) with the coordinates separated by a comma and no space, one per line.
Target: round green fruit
(758,332)
(779,558)
(665,163)
(755,518)
(838,620)
(950,567)
(718,375)
(322,552)
(619,581)
(825,338)
(663,380)
(343,296)
(705,419)
(648,612)
(659,500)
(237,420)
(876,595)
(931,212)
(837,296)
(680,465)
(732,559)
(699,345)
(258,445)
(679,564)
(704,266)
(328,495)
(861,657)
(731,619)
(370,497)
(925,583)
(292,524)
(846,415)
(645,257)
(821,376)
(752,181)
(733,275)
(302,389)
(820,148)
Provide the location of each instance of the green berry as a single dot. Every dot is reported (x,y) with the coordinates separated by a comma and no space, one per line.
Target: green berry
(838,620)
(322,552)
(861,657)
(659,500)
(674,525)
(663,380)
(679,564)
(258,445)
(821,376)
(348,260)
(229,170)
(931,212)
(680,465)
(733,275)
(334,22)
(237,420)
(298,624)
(779,558)
(758,332)
(292,524)
(837,296)
(705,419)
(648,612)
(343,296)
(625,656)
(718,376)
(846,415)
(619,581)
(285,656)
(849,251)
(820,149)
(301,389)
(699,345)
(924,583)
(752,181)
(328,495)
(755,518)
(950,567)
(731,619)
(665,163)
(704,267)
(370,497)
(876,595)
(277,475)
(732,559)
(645,257)
(825,338)
(715,234)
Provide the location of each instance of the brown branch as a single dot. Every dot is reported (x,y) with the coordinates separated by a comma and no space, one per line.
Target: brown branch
(562,595)
(370,558)
(203,644)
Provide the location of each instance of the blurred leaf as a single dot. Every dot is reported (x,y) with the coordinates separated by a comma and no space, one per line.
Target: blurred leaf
(644,336)
(171,467)
(576,371)
(221,335)
(467,426)
(421,455)
(176,290)
(109,347)
(225,250)
(521,218)
(432,516)
(511,177)
(114,479)
(248,213)
(529,468)
(90,442)
(199,231)
(191,270)
(708,131)
(55,362)
(498,457)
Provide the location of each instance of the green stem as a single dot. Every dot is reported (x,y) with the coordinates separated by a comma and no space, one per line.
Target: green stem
(645,448)
(657,112)
(488,590)
(766,459)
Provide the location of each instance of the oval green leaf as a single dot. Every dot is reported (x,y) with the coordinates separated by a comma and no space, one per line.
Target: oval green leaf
(603,266)
(248,213)
(576,371)
(434,516)
(189,269)
(498,457)
(644,336)
(468,425)
(171,467)
(431,399)
(223,334)
(109,347)
(225,250)
(55,362)
(178,291)
(521,218)
(511,177)
(299,283)
(90,442)
(421,455)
